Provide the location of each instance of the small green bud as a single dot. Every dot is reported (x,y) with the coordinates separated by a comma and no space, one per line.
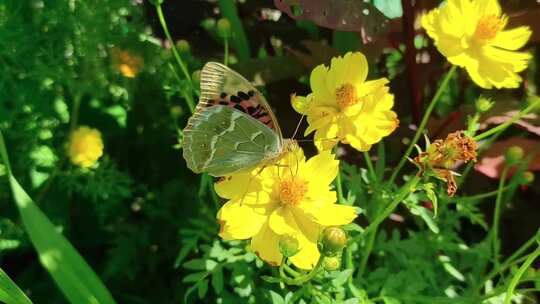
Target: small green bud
(196,76)
(526,177)
(183,46)
(332,263)
(332,241)
(288,246)
(176,111)
(208,24)
(483,104)
(224,27)
(513,155)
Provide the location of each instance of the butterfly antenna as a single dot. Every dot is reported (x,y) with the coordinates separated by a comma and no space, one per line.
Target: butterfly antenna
(298,126)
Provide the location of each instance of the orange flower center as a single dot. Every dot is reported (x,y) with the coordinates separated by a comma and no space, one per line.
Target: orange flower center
(346,96)
(488,27)
(292,191)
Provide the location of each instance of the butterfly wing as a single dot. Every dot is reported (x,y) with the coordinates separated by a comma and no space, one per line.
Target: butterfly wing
(222,86)
(222,140)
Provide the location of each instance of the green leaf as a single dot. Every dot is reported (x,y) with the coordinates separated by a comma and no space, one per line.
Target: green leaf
(69,270)
(11,293)
(425,215)
(390,8)
(342,277)
(196,264)
(445,260)
(276,298)
(390,300)
(217,280)
(202,288)
(194,277)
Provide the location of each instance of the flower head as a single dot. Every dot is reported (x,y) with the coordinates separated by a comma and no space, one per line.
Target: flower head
(345,107)
(85,146)
(128,64)
(442,155)
(471,34)
(290,199)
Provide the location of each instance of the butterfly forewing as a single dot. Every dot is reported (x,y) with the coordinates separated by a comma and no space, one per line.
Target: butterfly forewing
(222,141)
(223,86)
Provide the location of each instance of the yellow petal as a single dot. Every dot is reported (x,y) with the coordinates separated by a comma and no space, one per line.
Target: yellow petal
(282,223)
(308,255)
(323,168)
(266,245)
(240,221)
(352,69)
(333,214)
(512,39)
(300,103)
(487,7)
(317,80)
(369,87)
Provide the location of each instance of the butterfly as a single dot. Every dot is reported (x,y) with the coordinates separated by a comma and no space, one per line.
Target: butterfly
(233,127)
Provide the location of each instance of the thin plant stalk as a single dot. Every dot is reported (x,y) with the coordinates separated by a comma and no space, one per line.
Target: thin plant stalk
(423,123)
(521,271)
(497,216)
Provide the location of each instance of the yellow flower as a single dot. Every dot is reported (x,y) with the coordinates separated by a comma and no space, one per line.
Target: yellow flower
(85,146)
(289,199)
(345,107)
(472,35)
(128,64)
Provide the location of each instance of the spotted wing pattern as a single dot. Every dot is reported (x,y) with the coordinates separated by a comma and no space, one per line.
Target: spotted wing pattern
(223,86)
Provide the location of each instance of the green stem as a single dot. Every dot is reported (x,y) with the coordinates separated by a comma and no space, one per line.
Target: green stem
(407,189)
(367,253)
(505,125)
(173,46)
(423,123)
(482,195)
(301,279)
(508,262)
(369,165)
(226,51)
(497,216)
(187,95)
(515,280)
(239,39)
(339,187)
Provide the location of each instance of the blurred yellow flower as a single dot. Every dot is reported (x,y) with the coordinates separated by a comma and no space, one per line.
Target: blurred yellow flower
(128,64)
(345,107)
(471,34)
(85,146)
(289,199)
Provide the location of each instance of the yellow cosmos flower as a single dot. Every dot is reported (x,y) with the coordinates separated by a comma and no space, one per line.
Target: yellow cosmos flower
(344,107)
(472,35)
(85,146)
(128,64)
(289,199)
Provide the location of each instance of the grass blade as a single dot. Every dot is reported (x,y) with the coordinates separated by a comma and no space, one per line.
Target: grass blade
(69,270)
(10,293)
(239,39)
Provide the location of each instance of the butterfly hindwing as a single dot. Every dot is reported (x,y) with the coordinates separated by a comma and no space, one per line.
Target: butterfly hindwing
(222,141)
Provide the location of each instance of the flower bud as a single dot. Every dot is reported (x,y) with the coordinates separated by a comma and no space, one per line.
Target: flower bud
(332,241)
(183,46)
(513,155)
(208,24)
(196,76)
(526,177)
(288,246)
(224,27)
(176,111)
(483,104)
(332,263)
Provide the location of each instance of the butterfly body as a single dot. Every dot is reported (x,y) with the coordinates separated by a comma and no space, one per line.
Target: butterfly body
(233,127)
